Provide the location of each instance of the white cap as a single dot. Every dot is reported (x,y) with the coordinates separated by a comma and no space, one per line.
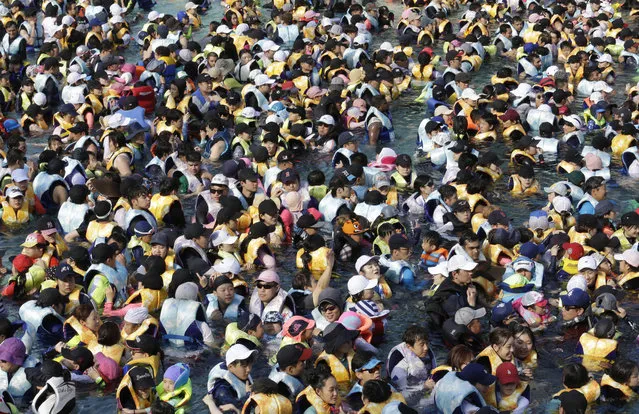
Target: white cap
(68,20)
(190,5)
(601,86)
(573,120)
(280,56)
(228,265)
(222,237)
(273,118)
(470,93)
(523,264)
(360,40)
(552,70)
(136,315)
(359,283)
(223,29)
(596,97)
(80,50)
(220,179)
(521,90)
(587,262)
(561,204)
(440,268)
(19,175)
(460,262)
(441,138)
(249,112)
(326,119)
(115,9)
(263,79)
(55,29)
(531,298)
(386,46)
(557,188)
(630,256)
(153,15)
(77,97)
(117,120)
(465,315)
(577,282)
(605,58)
(40,99)
(13,192)
(241,29)
(116,19)
(75,77)
(238,352)
(269,45)
(363,261)
(442,110)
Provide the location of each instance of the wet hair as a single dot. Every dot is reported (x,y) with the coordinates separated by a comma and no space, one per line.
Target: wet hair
(414,333)
(467,237)
(317,377)
(168,185)
(459,355)
(301,280)
(109,334)
(162,407)
(6,328)
(376,391)
(361,358)
(310,244)
(432,237)
(622,370)
(575,376)
(316,177)
(518,329)
(136,191)
(193,156)
(447,191)
(264,386)
(499,336)
(593,183)
(83,311)
(385,229)
(422,180)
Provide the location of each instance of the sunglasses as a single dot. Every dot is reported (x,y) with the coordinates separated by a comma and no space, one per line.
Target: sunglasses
(373,370)
(216,191)
(328,308)
(265,285)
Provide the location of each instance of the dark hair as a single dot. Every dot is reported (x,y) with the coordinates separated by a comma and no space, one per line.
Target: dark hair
(83,311)
(136,191)
(422,180)
(593,183)
(109,334)
(162,148)
(316,177)
(168,185)
(162,407)
(264,386)
(414,333)
(317,377)
(301,280)
(385,229)
(518,329)
(467,237)
(6,328)
(458,355)
(622,370)
(432,237)
(575,376)
(499,336)
(361,358)
(193,156)
(376,391)
(447,191)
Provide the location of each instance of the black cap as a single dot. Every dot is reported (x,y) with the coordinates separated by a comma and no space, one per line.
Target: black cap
(242,128)
(398,241)
(526,171)
(141,378)
(630,219)
(526,142)
(64,271)
(461,205)
(345,138)
(431,126)
(146,344)
(79,127)
(247,174)
(285,156)
(45,223)
(194,230)
(50,297)
(404,160)
(459,147)
(102,252)
(289,355)
(161,238)
(269,207)
(221,280)
(306,221)
(51,62)
(288,176)
(79,355)
(336,335)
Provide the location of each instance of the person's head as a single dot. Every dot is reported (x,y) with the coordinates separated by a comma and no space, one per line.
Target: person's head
(431,240)
(508,378)
(460,269)
(448,194)
(291,358)
(460,356)
(471,243)
(574,376)
(596,187)
(368,266)
(239,361)
(477,375)
(267,285)
(376,391)
(625,372)
(574,304)
(330,304)
(223,290)
(88,317)
(142,381)
(272,323)
(424,184)
(501,340)
(524,340)
(470,318)
(324,384)
(251,324)
(416,338)
(366,366)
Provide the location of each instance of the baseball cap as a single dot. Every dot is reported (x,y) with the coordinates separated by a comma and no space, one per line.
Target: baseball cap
(510,115)
(238,352)
(79,355)
(576,297)
(404,160)
(326,119)
(263,79)
(465,315)
(336,334)
(220,179)
(247,174)
(460,262)
(13,350)
(442,110)
(561,204)
(345,138)
(440,268)
(476,373)
(13,192)
(222,237)
(308,221)
(630,256)
(523,264)
(291,354)
(501,311)
(359,283)
(630,219)
(351,227)
(372,363)
(296,325)
(285,156)
(534,298)
(469,93)
(194,230)
(461,205)
(228,265)
(64,270)
(557,188)
(141,378)
(587,262)
(506,373)
(398,241)
(498,217)
(19,175)
(33,240)
(146,344)
(573,250)
(269,276)
(363,261)
(531,250)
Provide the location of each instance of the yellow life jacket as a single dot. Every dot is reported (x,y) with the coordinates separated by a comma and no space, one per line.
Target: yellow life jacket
(530,361)
(626,390)
(96,103)
(149,324)
(627,278)
(232,334)
(275,69)
(620,143)
(494,175)
(476,199)
(624,243)
(150,298)
(319,259)
(64,125)
(182,395)
(152,362)
(566,167)
(246,146)
(270,403)
(376,408)
(476,221)
(136,241)
(91,35)
(494,251)
(495,361)
(496,80)
(422,72)
(122,203)
(474,60)
(428,34)
(519,152)
(83,334)
(591,391)
(11,217)
(516,127)
(114,352)
(531,37)
(486,136)
(139,403)
(309,396)
(252,249)
(577,237)
(517,187)
(400,181)
(595,350)
(97,229)
(160,206)
(480,26)
(344,376)
(509,403)
(116,154)
(488,286)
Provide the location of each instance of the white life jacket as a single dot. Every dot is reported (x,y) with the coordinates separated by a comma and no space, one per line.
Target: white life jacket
(631,55)
(158,162)
(508,44)
(242,72)
(603,173)
(578,134)
(365,87)
(33,315)
(288,34)
(18,386)
(587,197)
(132,213)
(535,117)
(450,392)
(81,63)
(83,141)
(220,372)
(394,267)
(55,397)
(177,316)
(528,67)
(71,215)
(117,277)
(547,145)
(576,192)
(73,165)
(43,182)
(371,212)
(330,205)
(41,81)
(213,207)
(231,311)
(68,91)
(261,99)
(630,158)
(352,56)
(278,304)
(344,151)
(386,122)
(182,243)
(294,385)
(458,249)
(14,47)
(605,157)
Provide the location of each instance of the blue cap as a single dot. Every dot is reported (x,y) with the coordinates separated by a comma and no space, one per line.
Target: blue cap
(531,250)
(370,365)
(68,109)
(476,374)
(276,106)
(576,297)
(501,312)
(530,47)
(11,125)
(181,15)
(95,22)
(64,270)
(143,228)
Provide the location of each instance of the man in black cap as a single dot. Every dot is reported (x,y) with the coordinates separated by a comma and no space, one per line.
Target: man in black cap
(290,367)
(49,186)
(247,188)
(47,82)
(346,145)
(190,248)
(69,285)
(142,384)
(307,225)
(284,161)
(48,325)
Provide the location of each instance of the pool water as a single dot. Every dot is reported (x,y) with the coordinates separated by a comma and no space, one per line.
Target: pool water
(407,308)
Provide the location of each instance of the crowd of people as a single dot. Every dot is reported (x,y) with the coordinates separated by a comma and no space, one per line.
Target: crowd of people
(173,187)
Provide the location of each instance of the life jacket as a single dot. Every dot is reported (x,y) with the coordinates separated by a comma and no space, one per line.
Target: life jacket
(599,123)
(294,385)
(623,240)
(508,44)
(603,173)
(246,146)
(596,350)
(33,315)
(309,398)
(232,334)
(587,198)
(422,72)
(269,403)
(221,372)
(177,316)
(128,384)
(116,154)
(387,132)
(400,181)
(461,105)
(71,215)
(627,278)
(149,326)
(99,229)
(607,380)
(509,403)
(620,143)
(377,408)
(151,299)
(43,183)
(231,311)
(182,393)
(318,259)
(344,376)
(278,304)
(527,67)
(451,391)
(395,268)
(516,127)
(253,248)
(495,251)
(132,214)
(11,217)
(494,175)
(146,97)
(74,330)
(517,188)
(57,396)
(591,391)
(152,363)
(114,352)
(495,361)
(116,277)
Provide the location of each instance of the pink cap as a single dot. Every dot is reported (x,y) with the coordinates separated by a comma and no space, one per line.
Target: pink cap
(269,276)
(593,162)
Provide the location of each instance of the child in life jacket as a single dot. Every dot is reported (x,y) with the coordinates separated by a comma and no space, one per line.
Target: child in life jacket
(248,330)
(272,338)
(513,395)
(25,279)
(433,252)
(136,390)
(575,377)
(380,244)
(139,245)
(317,187)
(618,385)
(15,209)
(533,308)
(175,387)
(229,381)
(597,348)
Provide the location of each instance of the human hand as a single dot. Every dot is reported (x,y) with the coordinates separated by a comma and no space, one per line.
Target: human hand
(110,294)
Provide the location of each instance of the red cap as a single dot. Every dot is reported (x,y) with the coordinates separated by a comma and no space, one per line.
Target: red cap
(510,115)
(22,263)
(507,373)
(574,250)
